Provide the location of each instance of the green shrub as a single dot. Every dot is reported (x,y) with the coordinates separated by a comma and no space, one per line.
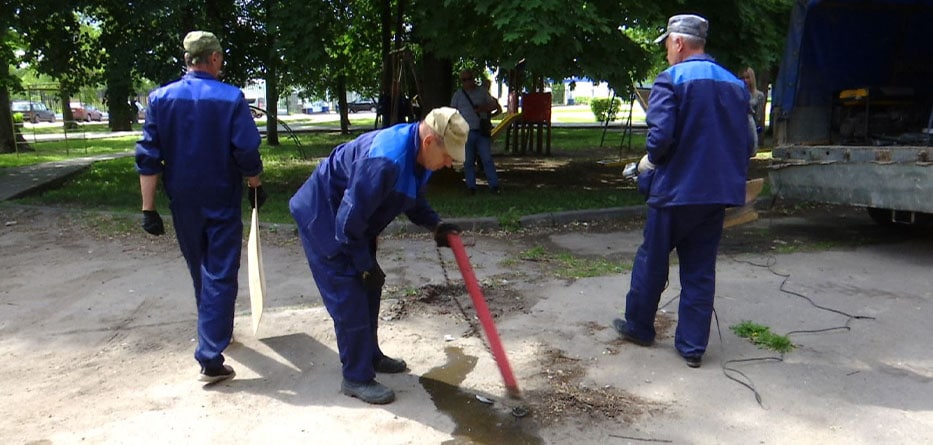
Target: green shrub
(581,100)
(601,108)
(17,118)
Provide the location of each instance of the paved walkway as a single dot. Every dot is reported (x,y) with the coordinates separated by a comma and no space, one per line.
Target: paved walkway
(20,181)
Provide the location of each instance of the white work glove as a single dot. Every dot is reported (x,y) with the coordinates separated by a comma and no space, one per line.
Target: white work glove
(644,164)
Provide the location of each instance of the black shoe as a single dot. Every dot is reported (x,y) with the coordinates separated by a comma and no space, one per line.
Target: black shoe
(211,376)
(495,190)
(369,392)
(389,365)
(694,361)
(471,190)
(621,327)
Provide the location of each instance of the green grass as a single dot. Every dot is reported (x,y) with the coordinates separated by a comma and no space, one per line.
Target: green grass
(114,185)
(72,148)
(59,127)
(568,266)
(762,336)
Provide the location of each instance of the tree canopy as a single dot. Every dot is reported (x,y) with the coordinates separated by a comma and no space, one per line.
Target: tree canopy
(328,48)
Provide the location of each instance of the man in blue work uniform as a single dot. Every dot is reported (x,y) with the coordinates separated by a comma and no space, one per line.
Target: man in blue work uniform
(341,210)
(700,137)
(200,137)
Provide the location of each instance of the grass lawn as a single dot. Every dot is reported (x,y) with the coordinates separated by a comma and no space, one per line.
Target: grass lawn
(570,179)
(49,151)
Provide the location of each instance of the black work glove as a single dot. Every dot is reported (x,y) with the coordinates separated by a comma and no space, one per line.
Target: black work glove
(441,231)
(373,279)
(152,223)
(257,196)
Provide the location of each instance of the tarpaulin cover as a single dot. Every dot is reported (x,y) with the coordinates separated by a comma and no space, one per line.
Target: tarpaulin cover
(835,45)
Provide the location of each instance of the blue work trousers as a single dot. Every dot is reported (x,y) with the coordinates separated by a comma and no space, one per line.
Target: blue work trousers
(211,243)
(695,232)
(479,145)
(355,311)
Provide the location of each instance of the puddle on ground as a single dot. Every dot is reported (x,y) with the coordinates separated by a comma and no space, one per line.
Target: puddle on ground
(476,422)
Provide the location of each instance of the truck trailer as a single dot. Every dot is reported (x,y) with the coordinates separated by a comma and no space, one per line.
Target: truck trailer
(852,108)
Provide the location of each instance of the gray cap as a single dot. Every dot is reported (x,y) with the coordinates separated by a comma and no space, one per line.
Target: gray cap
(689,24)
(200,43)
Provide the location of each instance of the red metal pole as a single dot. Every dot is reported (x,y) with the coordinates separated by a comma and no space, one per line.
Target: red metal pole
(482,311)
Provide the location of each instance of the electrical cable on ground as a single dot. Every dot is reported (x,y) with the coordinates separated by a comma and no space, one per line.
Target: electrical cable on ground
(749,383)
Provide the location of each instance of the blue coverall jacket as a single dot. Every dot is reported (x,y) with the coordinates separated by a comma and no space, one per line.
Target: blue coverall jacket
(199,135)
(700,140)
(340,210)
(698,136)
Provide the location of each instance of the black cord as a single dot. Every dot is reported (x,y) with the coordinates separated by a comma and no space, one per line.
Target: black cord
(749,383)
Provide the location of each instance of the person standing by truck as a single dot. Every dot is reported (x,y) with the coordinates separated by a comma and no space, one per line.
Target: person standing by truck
(756,100)
(700,137)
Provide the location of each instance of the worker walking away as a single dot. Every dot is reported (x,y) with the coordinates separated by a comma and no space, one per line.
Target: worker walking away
(200,138)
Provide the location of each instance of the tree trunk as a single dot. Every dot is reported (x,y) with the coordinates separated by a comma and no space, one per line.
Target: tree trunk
(386,34)
(7,141)
(272,106)
(436,82)
(342,104)
(119,90)
(68,119)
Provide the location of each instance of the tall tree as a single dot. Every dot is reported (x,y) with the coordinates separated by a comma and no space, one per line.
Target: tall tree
(58,44)
(7,82)
(333,50)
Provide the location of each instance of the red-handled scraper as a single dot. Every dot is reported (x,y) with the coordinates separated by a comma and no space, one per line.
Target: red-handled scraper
(482,311)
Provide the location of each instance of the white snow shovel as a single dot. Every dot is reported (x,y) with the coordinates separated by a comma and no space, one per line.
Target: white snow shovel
(257,281)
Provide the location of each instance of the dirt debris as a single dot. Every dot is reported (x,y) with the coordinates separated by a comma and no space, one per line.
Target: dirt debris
(567,394)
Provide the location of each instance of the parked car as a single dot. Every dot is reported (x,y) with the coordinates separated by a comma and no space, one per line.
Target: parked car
(361,105)
(85,112)
(32,111)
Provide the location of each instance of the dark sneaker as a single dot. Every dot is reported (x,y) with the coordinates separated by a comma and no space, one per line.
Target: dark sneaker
(389,365)
(622,328)
(694,361)
(471,190)
(369,392)
(495,190)
(211,376)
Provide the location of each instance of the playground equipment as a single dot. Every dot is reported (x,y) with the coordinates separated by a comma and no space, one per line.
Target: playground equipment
(531,130)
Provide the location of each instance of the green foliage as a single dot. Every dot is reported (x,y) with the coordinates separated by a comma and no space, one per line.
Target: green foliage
(17,118)
(762,336)
(582,100)
(604,108)
(557,93)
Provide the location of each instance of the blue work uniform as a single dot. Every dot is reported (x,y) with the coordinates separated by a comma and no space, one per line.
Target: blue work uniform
(699,141)
(199,135)
(340,211)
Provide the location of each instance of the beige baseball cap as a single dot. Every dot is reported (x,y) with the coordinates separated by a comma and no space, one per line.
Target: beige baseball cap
(450,125)
(200,43)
